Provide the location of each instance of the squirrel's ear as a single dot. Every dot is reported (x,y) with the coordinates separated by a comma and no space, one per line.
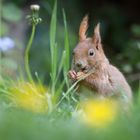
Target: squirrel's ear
(83,28)
(97,36)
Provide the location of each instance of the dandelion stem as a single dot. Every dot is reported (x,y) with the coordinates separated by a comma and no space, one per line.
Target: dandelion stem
(27,67)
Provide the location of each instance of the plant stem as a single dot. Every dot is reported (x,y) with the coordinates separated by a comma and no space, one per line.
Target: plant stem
(27,68)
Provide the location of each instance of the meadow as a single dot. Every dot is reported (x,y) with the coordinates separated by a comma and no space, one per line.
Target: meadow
(32,108)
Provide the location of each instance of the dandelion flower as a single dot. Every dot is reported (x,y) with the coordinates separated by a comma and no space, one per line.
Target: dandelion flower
(99,112)
(30,96)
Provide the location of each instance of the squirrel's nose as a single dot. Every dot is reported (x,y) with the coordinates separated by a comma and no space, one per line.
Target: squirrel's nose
(79,65)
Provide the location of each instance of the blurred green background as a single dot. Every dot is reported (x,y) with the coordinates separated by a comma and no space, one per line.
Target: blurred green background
(120,30)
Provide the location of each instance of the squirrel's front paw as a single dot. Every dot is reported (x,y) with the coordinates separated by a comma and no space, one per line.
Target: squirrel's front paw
(79,75)
(72,75)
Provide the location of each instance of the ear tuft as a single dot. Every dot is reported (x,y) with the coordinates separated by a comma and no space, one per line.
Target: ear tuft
(97,36)
(83,28)
(97,28)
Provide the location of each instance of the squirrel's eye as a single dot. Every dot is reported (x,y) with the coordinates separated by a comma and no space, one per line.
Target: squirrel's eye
(91,52)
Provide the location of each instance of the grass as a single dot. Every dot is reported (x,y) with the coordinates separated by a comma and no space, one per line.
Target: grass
(28,125)
(53,49)
(30,110)
(58,68)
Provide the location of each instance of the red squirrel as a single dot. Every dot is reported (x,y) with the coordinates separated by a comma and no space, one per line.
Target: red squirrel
(89,59)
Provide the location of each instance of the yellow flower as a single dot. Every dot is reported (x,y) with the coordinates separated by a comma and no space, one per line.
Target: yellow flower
(99,112)
(32,97)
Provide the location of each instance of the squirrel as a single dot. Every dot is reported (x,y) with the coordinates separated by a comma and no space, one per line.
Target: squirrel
(89,60)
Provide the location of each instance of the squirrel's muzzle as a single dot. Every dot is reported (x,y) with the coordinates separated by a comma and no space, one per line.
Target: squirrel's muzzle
(81,66)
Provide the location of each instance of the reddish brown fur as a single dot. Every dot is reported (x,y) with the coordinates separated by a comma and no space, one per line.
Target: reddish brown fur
(88,55)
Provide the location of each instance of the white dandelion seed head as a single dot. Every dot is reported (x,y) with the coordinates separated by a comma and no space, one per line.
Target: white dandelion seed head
(35,7)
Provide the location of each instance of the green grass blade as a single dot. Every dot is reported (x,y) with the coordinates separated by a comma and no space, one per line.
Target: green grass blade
(53,46)
(67,51)
(66,43)
(60,66)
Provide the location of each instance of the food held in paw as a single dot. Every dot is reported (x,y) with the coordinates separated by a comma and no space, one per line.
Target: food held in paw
(80,74)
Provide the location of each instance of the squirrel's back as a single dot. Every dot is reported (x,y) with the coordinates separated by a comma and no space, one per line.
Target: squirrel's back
(119,81)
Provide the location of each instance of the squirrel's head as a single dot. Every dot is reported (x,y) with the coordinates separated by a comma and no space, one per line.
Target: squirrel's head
(88,53)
